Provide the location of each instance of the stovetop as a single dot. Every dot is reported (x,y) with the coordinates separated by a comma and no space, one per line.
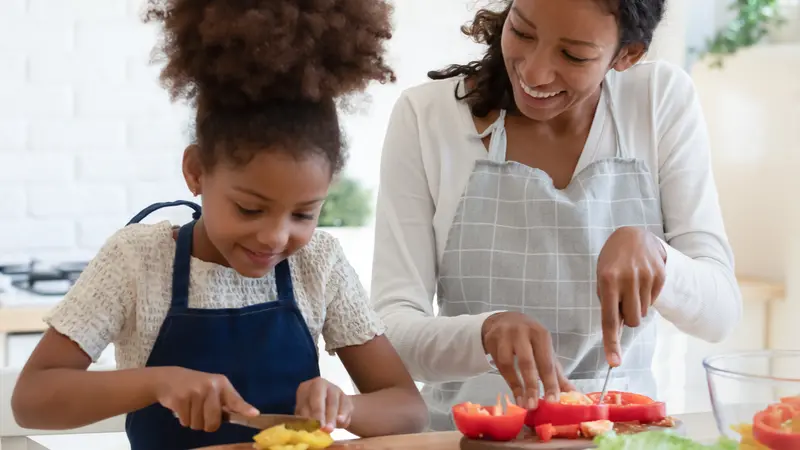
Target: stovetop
(39,279)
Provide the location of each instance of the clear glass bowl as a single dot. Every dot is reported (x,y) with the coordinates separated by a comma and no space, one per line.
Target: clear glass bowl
(741,384)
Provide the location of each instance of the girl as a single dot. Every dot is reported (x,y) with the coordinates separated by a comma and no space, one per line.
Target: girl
(224,313)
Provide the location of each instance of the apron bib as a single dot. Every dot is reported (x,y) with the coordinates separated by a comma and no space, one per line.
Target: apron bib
(265,350)
(519,244)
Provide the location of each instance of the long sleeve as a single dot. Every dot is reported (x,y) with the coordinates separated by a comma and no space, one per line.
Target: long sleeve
(405,267)
(701,296)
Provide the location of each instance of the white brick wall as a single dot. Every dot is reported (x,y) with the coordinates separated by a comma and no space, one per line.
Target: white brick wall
(87,136)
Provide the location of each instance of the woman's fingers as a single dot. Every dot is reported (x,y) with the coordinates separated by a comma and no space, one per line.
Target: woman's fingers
(504,360)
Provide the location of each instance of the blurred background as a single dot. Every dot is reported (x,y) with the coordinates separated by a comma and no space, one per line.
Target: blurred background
(88,138)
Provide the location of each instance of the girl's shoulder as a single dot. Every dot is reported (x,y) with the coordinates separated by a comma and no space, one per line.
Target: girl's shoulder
(139,241)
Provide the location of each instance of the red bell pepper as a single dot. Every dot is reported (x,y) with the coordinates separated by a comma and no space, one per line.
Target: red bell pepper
(778,426)
(547,432)
(630,407)
(489,422)
(564,414)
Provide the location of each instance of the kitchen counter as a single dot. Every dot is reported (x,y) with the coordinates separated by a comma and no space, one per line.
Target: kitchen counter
(699,426)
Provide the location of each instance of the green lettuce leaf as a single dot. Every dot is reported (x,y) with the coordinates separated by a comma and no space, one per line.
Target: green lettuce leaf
(657,440)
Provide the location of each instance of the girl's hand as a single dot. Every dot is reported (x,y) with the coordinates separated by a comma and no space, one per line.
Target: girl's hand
(198,398)
(324,401)
(631,270)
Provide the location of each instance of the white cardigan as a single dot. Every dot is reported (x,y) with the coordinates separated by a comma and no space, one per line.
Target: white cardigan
(428,155)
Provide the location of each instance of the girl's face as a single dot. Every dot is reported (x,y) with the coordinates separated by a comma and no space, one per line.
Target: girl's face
(557,53)
(258,214)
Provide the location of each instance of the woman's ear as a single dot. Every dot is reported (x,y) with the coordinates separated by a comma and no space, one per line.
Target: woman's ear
(629,56)
(193,169)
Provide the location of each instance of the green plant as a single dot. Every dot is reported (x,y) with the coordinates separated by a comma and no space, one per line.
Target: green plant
(348,204)
(754,20)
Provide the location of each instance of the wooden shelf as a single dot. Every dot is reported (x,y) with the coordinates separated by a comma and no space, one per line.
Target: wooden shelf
(754,289)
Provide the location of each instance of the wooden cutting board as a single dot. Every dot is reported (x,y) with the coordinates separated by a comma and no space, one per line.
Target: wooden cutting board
(448,440)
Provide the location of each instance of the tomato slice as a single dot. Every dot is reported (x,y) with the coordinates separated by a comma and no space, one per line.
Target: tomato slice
(563,414)
(489,422)
(775,427)
(630,407)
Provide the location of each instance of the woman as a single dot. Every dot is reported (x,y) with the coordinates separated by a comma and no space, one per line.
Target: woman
(549,194)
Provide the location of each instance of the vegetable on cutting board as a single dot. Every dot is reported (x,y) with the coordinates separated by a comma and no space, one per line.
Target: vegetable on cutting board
(571,409)
(496,422)
(281,438)
(630,407)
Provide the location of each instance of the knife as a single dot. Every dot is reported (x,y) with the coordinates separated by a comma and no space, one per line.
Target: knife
(608,374)
(264,421)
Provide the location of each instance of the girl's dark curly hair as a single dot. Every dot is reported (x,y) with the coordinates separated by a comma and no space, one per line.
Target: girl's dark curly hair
(266,74)
(491,89)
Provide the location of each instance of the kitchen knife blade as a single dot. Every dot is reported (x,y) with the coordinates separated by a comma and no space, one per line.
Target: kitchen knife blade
(264,421)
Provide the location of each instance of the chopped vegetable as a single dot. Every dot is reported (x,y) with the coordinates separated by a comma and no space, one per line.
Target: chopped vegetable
(657,440)
(630,407)
(778,426)
(566,411)
(747,442)
(281,438)
(496,422)
(596,428)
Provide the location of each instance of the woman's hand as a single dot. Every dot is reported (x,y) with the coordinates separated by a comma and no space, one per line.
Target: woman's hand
(198,398)
(322,400)
(507,335)
(631,270)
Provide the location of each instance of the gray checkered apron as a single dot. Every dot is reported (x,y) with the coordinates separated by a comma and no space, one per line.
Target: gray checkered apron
(519,244)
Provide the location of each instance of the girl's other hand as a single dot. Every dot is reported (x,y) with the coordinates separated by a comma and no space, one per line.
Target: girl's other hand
(322,400)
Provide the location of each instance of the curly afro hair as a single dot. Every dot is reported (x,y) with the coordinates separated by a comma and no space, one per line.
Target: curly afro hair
(637,21)
(267,74)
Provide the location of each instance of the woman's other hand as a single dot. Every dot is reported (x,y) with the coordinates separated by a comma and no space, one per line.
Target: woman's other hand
(512,335)
(631,270)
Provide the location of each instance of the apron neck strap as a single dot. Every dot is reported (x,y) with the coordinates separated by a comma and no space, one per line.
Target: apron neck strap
(283,283)
(621,149)
(156,206)
(498,142)
(181,266)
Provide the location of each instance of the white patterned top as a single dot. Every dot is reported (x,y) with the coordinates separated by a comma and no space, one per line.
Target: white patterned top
(124,294)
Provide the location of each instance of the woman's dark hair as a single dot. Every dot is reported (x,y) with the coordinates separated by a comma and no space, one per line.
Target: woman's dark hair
(637,21)
(267,74)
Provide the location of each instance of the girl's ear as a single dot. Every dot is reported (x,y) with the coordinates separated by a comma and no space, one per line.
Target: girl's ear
(193,169)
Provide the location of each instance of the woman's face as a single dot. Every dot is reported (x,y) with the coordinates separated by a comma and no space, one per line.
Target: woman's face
(557,53)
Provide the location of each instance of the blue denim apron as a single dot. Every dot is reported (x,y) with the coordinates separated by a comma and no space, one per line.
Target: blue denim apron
(265,350)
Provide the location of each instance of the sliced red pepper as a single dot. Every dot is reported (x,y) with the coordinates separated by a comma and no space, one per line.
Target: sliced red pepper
(489,422)
(775,427)
(561,414)
(568,431)
(546,432)
(630,407)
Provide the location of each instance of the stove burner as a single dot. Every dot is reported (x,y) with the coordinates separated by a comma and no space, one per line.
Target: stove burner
(43,279)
